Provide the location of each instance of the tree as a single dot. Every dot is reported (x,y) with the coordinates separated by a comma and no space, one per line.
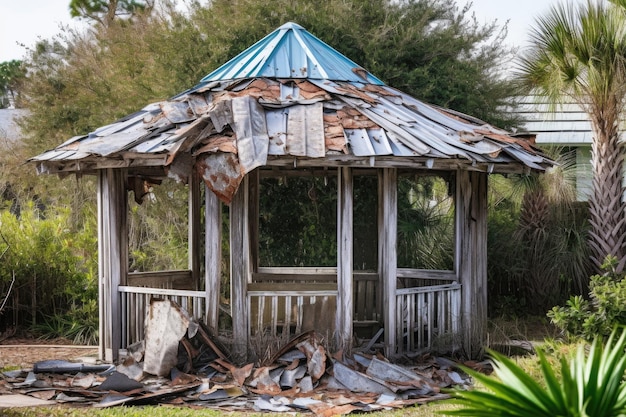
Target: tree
(579,53)
(435,52)
(105,11)
(11,75)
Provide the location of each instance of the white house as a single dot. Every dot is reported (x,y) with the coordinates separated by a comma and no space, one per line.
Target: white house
(567,126)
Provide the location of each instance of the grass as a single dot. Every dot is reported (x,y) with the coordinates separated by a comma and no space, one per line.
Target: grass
(428,410)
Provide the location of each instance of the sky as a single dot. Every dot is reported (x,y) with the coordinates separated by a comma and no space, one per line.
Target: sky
(26,21)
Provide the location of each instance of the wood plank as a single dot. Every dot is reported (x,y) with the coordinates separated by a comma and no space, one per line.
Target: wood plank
(427,274)
(263,277)
(181,279)
(253,218)
(113,247)
(389,231)
(194,232)
(290,288)
(239,270)
(161,291)
(212,257)
(345,306)
(298,270)
(471,258)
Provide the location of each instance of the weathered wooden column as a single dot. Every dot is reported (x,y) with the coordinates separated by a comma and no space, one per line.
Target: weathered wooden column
(212,258)
(112,257)
(471,257)
(387,258)
(194,210)
(239,270)
(345,301)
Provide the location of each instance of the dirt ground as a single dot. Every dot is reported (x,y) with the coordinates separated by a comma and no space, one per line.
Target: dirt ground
(22,353)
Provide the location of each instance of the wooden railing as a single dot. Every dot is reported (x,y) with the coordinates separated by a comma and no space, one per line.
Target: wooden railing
(277,309)
(177,279)
(428,308)
(427,316)
(136,300)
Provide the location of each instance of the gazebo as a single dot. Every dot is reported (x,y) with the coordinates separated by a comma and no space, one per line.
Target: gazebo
(291,105)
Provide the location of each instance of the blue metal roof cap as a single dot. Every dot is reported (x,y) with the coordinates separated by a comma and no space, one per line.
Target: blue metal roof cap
(292,52)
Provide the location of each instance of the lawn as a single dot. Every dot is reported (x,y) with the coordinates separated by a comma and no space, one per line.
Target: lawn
(429,410)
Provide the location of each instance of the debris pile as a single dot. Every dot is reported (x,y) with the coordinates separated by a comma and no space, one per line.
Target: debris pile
(195,372)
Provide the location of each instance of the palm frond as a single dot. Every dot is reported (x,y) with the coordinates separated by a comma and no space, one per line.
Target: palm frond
(591,384)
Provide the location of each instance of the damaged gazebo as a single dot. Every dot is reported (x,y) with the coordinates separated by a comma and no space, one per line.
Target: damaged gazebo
(292,106)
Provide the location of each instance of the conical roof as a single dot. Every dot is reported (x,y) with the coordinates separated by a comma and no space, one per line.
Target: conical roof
(291,52)
(290,101)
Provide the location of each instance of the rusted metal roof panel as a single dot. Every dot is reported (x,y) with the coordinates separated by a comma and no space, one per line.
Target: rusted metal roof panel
(225,128)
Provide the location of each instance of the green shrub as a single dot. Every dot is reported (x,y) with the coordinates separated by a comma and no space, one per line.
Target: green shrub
(605,308)
(589,385)
(78,324)
(47,257)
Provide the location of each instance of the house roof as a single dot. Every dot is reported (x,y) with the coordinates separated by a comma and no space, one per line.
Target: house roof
(255,111)
(563,124)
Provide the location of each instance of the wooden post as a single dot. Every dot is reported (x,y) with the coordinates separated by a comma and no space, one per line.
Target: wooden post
(471,257)
(388,234)
(239,270)
(212,258)
(194,230)
(112,257)
(345,302)
(253,218)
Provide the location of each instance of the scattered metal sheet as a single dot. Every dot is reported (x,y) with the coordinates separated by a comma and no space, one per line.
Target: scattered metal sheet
(266,403)
(82,380)
(356,381)
(30,379)
(20,400)
(262,383)
(290,377)
(294,381)
(66,367)
(119,382)
(316,357)
(43,395)
(166,324)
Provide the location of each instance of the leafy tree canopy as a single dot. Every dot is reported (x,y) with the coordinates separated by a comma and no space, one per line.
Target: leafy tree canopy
(105,11)
(11,75)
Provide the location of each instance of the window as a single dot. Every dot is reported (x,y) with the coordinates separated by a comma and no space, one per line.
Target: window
(425,221)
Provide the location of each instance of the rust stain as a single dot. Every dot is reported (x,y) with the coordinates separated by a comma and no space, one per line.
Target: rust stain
(360,72)
(221,173)
(521,141)
(351,118)
(351,90)
(309,90)
(219,143)
(334,136)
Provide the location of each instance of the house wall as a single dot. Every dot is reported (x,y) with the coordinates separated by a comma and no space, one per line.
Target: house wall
(565,125)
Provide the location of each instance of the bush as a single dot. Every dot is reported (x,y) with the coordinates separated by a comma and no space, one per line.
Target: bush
(605,308)
(47,257)
(589,385)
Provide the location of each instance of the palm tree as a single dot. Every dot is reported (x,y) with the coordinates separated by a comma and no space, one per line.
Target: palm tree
(578,53)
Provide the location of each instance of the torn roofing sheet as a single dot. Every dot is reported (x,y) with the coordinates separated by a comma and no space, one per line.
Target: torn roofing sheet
(289,95)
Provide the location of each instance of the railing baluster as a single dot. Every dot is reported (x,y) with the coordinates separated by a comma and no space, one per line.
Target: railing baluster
(274,315)
(287,325)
